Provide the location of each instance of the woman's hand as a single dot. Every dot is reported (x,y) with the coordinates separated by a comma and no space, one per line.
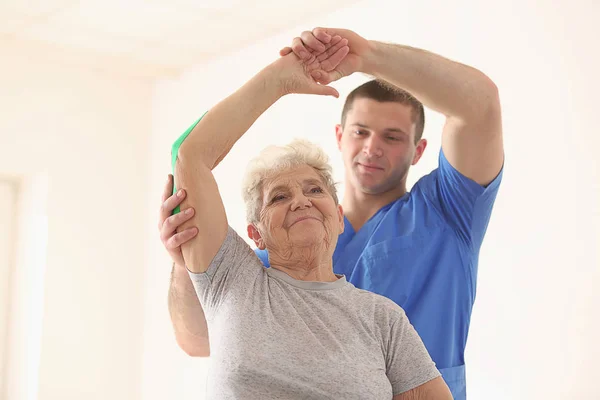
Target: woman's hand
(300,76)
(314,44)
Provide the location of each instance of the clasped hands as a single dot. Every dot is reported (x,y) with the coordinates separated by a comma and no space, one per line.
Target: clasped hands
(321,56)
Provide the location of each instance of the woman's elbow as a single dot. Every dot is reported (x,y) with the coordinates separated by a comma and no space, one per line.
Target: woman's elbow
(435,389)
(194,346)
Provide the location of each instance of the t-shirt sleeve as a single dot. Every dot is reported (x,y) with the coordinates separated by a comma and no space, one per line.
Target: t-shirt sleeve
(408,364)
(462,202)
(230,273)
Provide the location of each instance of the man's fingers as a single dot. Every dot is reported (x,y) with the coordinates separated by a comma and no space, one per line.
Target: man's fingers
(325,78)
(299,49)
(311,65)
(312,43)
(168,188)
(333,56)
(321,34)
(336,43)
(335,40)
(175,221)
(180,238)
(164,213)
(321,77)
(167,207)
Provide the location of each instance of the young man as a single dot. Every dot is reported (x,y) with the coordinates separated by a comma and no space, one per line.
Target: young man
(418,248)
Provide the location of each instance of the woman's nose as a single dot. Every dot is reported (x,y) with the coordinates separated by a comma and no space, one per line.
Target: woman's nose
(300,202)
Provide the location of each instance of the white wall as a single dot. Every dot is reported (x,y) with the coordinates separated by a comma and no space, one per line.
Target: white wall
(78,141)
(532,330)
(8,200)
(26,295)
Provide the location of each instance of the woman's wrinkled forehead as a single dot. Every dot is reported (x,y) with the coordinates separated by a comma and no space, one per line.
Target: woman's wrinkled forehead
(292,177)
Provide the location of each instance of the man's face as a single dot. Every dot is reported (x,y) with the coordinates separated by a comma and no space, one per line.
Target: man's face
(378,145)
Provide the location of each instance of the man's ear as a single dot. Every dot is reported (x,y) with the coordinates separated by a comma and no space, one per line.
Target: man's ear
(341,218)
(420,149)
(254,234)
(338,135)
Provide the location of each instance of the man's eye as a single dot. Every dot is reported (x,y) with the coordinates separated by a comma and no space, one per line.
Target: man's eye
(359,133)
(394,138)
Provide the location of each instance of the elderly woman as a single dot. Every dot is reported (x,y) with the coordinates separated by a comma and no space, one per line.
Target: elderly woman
(295,330)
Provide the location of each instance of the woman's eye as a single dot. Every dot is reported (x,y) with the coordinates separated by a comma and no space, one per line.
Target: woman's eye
(277,198)
(316,190)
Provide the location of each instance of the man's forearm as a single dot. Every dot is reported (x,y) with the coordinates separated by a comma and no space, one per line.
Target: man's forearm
(187,316)
(453,89)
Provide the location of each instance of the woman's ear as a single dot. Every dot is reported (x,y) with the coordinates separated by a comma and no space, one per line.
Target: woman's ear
(254,234)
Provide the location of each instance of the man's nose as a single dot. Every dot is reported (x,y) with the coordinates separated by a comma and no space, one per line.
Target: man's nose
(372,147)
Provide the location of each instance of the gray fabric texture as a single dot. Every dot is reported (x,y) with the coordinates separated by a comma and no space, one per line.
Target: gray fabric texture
(275,337)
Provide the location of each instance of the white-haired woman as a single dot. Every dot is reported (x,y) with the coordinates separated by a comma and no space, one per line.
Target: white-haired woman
(295,330)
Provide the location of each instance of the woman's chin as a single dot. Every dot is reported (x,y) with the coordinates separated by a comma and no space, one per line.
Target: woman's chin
(307,238)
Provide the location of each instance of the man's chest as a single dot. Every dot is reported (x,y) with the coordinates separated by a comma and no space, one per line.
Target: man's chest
(398,261)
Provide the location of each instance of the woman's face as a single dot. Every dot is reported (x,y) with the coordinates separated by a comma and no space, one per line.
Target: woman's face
(297,212)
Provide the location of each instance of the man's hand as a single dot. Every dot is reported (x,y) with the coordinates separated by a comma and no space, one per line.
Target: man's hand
(314,45)
(168,223)
(304,76)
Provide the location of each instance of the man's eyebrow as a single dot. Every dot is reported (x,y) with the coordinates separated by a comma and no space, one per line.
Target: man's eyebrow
(389,130)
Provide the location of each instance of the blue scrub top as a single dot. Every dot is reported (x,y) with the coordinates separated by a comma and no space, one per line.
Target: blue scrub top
(421,251)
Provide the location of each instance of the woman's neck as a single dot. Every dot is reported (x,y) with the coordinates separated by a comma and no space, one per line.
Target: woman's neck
(304,266)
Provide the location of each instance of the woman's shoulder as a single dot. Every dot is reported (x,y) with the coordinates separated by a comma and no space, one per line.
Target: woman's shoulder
(376,304)
(235,253)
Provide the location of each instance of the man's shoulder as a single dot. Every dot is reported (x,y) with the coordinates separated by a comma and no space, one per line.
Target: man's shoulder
(417,206)
(425,184)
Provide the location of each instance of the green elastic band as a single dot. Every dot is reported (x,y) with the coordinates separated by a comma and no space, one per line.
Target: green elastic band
(175,151)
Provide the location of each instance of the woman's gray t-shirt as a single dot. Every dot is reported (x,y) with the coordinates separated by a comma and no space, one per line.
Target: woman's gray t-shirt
(275,337)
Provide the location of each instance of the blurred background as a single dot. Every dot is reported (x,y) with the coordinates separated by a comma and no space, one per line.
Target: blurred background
(94,92)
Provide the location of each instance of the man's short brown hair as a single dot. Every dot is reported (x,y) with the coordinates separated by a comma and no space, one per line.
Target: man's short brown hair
(384,92)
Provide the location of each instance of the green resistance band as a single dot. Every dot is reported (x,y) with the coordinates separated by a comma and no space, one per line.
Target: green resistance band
(175,151)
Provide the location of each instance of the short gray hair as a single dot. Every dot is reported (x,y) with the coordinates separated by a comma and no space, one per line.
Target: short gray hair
(275,159)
